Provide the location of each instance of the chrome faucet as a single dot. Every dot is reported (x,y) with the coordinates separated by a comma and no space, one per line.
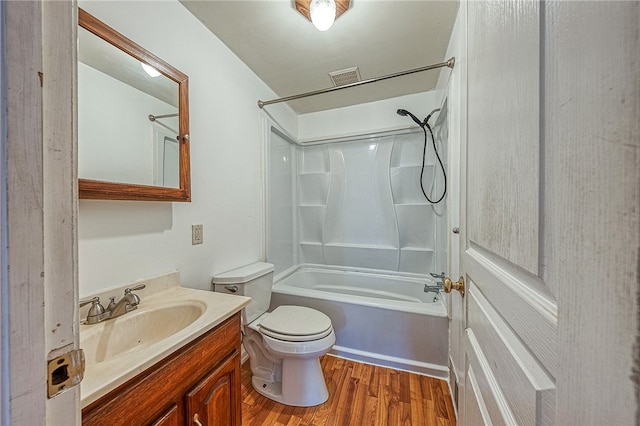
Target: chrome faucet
(97,313)
(128,303)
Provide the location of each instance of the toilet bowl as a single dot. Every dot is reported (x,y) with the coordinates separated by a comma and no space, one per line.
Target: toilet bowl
(284,345)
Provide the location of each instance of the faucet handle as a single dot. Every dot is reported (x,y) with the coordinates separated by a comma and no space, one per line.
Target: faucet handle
(95,311)
(136,298)
(138,287)
(93,300)
(434,275)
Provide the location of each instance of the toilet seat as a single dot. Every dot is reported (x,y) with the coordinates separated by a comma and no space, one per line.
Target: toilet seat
(295,324)
(289,338)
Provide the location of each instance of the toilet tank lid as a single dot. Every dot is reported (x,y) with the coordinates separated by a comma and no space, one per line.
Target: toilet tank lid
(243,274)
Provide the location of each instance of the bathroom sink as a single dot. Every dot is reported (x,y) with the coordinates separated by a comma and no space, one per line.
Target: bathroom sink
(137,330)
(168,317)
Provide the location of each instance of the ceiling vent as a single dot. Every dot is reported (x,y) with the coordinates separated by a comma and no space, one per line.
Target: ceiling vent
(345,76)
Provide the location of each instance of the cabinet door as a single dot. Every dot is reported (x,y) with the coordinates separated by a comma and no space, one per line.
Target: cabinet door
(215,401)
(168,418)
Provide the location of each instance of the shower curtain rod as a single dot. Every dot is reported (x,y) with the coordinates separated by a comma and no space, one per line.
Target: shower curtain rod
(450,63)
(154,117)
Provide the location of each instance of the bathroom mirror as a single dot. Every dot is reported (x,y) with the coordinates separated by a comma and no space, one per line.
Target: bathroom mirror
(133,119)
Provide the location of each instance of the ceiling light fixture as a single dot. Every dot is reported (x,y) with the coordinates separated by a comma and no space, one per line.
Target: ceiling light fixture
(322,13)
(150,70)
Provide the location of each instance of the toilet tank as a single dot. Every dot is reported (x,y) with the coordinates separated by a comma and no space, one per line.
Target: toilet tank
(253,280)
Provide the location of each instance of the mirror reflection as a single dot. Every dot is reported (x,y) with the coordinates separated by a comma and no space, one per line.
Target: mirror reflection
(132,119)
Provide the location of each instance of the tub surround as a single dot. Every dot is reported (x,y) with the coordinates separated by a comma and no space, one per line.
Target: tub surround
(347,189)
(101,378)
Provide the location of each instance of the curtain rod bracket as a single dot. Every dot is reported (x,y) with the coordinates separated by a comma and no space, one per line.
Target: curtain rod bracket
(450,64)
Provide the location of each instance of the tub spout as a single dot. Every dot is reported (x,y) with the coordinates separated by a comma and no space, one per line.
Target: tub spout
(434,289)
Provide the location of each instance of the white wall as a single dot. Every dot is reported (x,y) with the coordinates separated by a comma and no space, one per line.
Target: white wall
(366,118)
(120,242)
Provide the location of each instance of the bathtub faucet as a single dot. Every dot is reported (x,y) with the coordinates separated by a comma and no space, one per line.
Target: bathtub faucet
(437,287)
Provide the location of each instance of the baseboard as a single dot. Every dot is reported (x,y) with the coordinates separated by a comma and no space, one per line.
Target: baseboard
(423,368)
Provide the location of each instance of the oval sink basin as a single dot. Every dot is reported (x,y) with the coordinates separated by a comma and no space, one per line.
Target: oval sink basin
(136,330)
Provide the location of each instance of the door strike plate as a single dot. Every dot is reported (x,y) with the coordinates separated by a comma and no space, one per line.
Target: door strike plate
(64,372)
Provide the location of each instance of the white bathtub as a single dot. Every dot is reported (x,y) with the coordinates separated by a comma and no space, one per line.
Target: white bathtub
(379,317)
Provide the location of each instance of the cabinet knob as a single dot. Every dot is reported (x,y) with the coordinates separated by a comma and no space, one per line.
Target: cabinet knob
(195,420)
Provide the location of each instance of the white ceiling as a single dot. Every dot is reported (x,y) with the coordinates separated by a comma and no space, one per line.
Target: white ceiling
(380,37)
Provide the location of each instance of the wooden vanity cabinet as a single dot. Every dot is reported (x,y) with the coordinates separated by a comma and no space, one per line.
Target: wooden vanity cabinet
(210,401)
(169,418)
(200,381)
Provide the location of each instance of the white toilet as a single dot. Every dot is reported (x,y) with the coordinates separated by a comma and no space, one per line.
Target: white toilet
(285,345)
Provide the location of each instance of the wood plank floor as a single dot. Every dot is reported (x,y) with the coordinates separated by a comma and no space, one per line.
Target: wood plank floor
(359,395)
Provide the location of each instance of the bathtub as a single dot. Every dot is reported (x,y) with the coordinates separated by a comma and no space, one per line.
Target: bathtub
(379,317)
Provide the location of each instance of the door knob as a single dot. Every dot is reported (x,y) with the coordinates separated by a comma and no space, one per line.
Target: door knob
(451,285)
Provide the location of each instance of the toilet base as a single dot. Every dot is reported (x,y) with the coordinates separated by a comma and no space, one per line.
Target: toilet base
(302,384)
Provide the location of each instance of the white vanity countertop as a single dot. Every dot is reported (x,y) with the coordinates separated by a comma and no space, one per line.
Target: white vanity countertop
(102,377)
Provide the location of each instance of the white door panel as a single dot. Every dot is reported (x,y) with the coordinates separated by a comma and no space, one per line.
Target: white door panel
(503,139)
(484,389)
(549,222)
(525,384)
(511,312)
(530,314)
(475,411)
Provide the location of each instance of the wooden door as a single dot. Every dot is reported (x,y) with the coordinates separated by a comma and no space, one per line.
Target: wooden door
(215,401)
(549,225)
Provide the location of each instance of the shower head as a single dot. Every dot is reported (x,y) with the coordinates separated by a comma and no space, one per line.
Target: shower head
(404,113)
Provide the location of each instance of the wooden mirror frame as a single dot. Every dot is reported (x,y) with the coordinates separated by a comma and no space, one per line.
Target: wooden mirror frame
(102,190)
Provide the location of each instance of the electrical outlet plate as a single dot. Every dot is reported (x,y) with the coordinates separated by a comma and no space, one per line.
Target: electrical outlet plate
(196,234)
